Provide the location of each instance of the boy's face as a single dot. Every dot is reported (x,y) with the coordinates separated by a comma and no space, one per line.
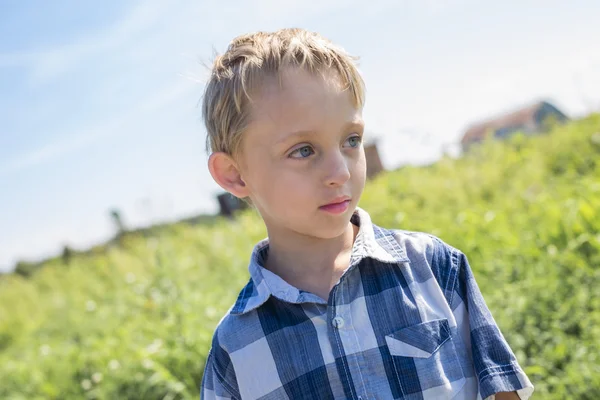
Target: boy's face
(303,150)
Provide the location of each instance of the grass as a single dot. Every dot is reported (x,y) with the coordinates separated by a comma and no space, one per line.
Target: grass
(135,320)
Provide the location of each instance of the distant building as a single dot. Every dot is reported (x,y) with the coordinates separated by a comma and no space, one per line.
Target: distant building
(374,165)
(530,120)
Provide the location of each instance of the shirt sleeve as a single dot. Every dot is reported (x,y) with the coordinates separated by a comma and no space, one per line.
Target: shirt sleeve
(218,381)
(496,367)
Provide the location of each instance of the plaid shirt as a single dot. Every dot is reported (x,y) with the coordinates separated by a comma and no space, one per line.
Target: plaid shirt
(405,321)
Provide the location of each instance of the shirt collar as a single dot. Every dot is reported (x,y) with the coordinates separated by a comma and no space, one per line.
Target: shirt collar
(371,241)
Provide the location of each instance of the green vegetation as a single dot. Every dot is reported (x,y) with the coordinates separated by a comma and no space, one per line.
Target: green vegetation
(135,320)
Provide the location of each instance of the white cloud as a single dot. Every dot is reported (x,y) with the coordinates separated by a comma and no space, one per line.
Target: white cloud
(89,136)
(49,152)
(48,63)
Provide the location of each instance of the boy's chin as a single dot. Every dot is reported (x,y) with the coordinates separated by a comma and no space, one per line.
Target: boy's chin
(328,230)
(320,226)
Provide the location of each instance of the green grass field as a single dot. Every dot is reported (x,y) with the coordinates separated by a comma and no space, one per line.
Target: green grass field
(135,321)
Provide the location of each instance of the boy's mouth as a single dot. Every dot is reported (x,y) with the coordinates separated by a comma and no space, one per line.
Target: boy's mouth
(337,206)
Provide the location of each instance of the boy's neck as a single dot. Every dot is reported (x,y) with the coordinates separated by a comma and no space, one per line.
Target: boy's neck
(311,264)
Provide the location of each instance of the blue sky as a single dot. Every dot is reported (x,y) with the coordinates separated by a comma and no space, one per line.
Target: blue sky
(99,100)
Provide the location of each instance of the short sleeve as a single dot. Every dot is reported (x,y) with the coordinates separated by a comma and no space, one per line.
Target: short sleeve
(218,381)
(496,367)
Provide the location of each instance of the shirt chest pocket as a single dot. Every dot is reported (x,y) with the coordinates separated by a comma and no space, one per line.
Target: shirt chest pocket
(425,360)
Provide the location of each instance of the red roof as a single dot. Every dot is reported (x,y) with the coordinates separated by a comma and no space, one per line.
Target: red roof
(520,117)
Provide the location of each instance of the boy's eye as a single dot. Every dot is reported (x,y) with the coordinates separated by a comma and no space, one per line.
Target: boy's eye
(303,152)
(354,141)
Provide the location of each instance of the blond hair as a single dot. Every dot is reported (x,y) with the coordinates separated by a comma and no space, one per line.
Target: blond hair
(250,59)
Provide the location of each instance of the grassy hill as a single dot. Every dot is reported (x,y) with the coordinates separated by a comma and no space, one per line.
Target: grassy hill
(135,321)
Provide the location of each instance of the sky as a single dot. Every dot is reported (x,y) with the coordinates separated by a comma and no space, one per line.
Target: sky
(99,101)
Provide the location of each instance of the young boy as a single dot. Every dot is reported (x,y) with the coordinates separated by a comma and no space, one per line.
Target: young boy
(336,307)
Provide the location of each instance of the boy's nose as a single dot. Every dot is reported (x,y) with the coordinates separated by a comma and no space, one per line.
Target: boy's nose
(337,169)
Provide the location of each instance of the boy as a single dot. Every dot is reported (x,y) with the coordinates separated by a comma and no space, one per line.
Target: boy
(336,307)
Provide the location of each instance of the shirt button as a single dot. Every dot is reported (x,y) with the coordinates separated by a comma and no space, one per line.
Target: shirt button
(338,322)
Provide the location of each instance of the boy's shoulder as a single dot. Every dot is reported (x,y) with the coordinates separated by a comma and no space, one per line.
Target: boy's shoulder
(430,255)
(417,243)
(421,247)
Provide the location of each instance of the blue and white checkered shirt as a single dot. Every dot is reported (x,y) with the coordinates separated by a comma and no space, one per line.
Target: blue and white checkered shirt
(405,321)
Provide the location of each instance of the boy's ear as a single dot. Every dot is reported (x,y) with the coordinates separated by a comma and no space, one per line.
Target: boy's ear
(226,173)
